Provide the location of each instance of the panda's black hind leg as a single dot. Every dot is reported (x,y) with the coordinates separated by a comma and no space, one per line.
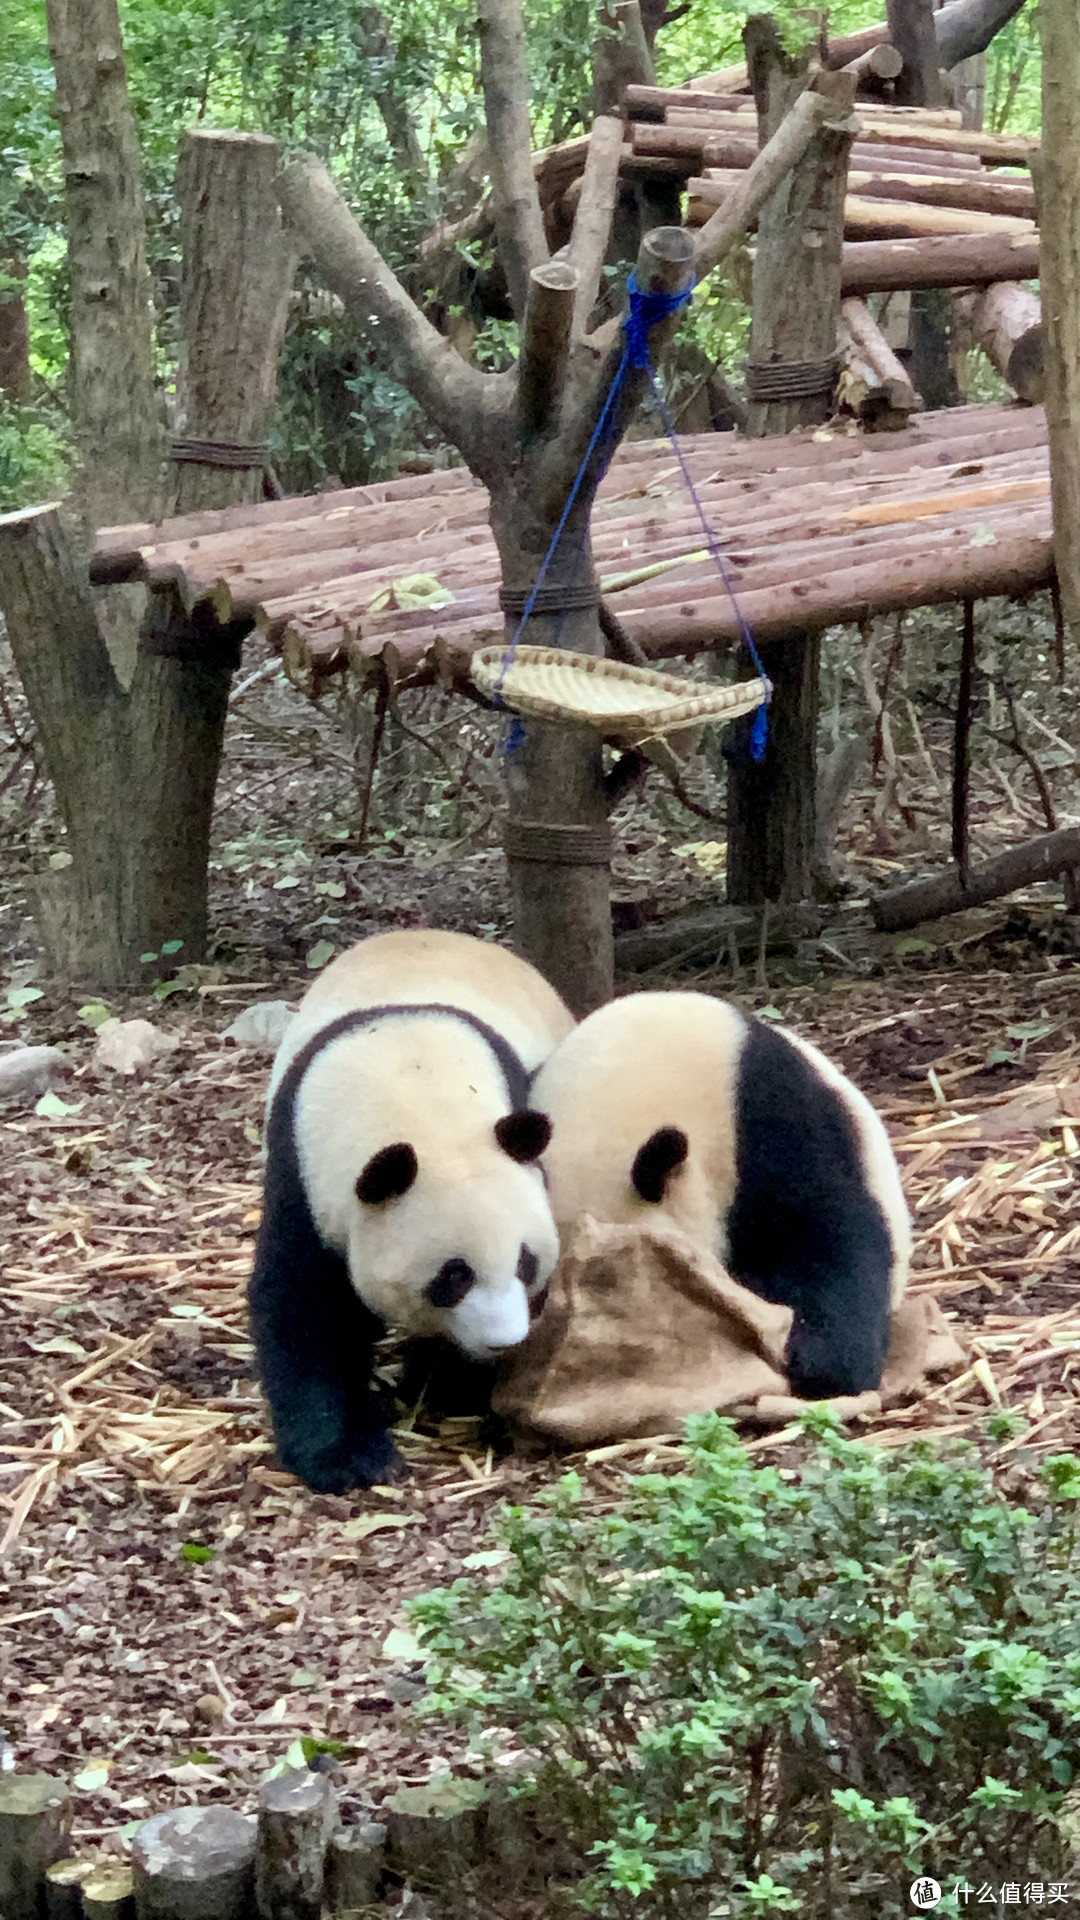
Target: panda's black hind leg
(803,1227)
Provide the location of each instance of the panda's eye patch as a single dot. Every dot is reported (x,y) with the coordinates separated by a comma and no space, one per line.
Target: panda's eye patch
(528,1266)
(523,1135)
(656,1161)
(388,1173)
(451,1284)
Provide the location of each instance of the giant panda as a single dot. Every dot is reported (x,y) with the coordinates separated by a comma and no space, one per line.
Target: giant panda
(675,1106)
(401,1184)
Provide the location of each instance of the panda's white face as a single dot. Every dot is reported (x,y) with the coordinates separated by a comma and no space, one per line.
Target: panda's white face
(462,1257)
(436,1202)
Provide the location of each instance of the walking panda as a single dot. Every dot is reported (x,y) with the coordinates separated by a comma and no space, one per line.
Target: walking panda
(402,1187)
(676,1106)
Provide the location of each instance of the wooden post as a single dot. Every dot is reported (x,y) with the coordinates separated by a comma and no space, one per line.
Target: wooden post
(35,1825)
(771,805)
(238,266)
(791,375)
(1059,200)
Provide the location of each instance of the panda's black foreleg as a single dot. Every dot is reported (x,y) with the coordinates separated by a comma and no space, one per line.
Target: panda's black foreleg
(840,1334)
(315,1342)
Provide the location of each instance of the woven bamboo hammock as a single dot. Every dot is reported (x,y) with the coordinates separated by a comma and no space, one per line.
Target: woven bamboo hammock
(624,703)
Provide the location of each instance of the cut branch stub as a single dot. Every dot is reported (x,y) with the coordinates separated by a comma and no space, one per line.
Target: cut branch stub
(545,346)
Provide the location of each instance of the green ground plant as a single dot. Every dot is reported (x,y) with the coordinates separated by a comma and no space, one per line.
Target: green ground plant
(750,1690)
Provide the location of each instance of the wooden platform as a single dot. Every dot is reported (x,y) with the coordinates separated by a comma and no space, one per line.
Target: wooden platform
(821,528)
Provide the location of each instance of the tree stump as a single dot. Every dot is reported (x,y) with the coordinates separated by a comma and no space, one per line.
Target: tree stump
(355,1866)
(35,1828)
(771,810)
(108,1893)
(297,1815)
(196,1863)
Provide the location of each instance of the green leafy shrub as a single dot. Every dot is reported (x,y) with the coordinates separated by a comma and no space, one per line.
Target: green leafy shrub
(33,457)
(749,1690)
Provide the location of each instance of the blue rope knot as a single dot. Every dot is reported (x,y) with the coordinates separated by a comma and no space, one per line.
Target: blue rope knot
(645,311)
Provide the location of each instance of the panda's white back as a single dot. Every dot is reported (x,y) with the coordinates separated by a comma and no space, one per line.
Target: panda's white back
(417,966)
(648,1061)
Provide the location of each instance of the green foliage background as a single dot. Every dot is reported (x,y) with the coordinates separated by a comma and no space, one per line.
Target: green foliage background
(298,69)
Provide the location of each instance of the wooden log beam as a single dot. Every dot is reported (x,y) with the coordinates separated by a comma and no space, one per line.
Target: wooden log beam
(1006,322)
(702,146)
(874,219)
(988,194)
(873,384)
(949,892)
(951,260)
(194,1862)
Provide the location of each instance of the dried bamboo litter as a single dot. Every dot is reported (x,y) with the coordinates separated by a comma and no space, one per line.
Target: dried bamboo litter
(630,704)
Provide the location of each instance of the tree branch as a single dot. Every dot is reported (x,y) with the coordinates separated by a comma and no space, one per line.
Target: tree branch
(592,221)
(966,27)
(504,76)
(457,397)
(777,157)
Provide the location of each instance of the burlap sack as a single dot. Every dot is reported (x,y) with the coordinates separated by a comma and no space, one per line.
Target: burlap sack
(640,1329)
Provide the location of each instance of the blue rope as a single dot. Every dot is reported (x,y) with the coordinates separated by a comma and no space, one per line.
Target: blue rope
(644,312)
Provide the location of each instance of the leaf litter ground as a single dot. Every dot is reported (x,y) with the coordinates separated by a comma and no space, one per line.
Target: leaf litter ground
(174,1611)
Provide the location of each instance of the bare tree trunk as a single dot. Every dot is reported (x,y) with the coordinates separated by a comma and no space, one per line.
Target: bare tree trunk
(135,765)
(14,330)
(913,34)
(115,408)
(771,805)
(1059,182)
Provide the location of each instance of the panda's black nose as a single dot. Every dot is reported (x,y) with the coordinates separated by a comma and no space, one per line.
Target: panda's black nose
(451,1284)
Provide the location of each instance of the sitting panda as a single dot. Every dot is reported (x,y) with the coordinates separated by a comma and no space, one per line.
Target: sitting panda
(401,1184)
(675,1106)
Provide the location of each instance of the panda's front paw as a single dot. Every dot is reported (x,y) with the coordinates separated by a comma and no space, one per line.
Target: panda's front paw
(367,1460)
(823,1364)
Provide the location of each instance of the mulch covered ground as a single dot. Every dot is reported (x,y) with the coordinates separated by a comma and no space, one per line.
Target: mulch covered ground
(132,1433)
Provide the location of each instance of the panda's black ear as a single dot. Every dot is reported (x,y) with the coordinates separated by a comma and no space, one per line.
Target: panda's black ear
(523,1135)
(388,1173)
(656,1161)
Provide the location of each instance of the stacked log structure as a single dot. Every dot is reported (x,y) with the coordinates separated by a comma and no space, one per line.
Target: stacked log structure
(819,530)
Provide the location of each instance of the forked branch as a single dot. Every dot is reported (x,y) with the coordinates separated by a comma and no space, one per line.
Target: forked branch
(457,397)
